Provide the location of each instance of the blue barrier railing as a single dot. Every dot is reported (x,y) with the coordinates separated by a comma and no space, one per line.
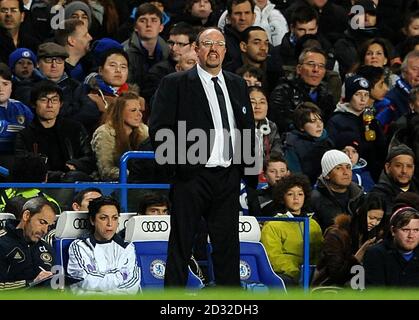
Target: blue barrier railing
(123,174)
(123,186)
(306,244)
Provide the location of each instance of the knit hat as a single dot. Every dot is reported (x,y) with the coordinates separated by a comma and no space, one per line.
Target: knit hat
(72,7)
(353,84)
(401,149)
(331,159)
(347,139)
(51,49)
(369,6)
(21,53)
(102,45)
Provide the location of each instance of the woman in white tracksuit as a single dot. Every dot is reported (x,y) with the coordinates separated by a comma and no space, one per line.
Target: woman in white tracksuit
(102,259)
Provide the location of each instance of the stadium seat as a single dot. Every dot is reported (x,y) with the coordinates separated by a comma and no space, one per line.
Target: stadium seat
(70,226)
(123,219)
(4,216)
(150,235)
(254,263)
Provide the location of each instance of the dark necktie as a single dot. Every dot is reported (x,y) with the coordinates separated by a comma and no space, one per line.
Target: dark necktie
(224,117)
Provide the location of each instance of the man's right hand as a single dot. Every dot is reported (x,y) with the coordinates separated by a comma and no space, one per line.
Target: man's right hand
(42,275)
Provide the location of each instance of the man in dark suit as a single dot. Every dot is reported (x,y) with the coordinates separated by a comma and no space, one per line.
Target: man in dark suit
(215,102)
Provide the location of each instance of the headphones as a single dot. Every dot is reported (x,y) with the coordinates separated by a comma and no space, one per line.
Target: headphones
(265,128)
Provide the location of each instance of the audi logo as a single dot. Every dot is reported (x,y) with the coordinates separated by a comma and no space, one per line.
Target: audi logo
(244,226)
(155,226)
(81,223)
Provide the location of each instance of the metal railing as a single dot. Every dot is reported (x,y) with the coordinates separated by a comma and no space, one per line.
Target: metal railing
(123,186)
(306,244)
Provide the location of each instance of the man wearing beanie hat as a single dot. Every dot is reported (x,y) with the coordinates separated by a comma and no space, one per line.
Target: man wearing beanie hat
(398,175)
(76,104)
(335,190)
(78,10)
(22,62)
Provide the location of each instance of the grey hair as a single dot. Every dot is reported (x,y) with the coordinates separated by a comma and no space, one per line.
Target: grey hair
(411,54)
(34,205)
(306,51)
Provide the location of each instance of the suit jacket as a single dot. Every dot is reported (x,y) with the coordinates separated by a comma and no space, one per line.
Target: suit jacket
(181,97)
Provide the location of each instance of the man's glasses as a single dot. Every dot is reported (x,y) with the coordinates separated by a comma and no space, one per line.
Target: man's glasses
(179,44)
(210,43)
(313,65)
(53,100)
(49,60)
(9,10)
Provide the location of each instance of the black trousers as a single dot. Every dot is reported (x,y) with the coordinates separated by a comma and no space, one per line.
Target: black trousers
(213,193)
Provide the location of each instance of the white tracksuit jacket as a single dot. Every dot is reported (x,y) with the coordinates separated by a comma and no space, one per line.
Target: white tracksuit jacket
(105,267)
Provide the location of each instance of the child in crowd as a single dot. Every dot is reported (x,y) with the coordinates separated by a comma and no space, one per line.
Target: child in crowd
(360,174)
(283,240)
(305,145)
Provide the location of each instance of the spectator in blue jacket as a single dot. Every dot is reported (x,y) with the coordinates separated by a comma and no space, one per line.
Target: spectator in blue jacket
(14,116)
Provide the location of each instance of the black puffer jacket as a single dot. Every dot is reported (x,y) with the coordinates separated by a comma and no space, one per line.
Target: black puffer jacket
(290,93)
(325,205)
(74,146)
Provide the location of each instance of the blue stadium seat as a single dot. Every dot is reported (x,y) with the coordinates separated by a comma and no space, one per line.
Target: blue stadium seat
(150,235)
(254,263)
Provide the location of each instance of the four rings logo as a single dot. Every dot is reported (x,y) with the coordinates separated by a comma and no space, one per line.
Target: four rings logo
(155,226)
(244,226)
(81,223)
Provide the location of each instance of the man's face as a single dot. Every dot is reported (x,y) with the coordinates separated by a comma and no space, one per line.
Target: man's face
(401,169)
(256,48)
(81,15)
(148,26)
(301,29)
(211,50)
(241,16)
(275,171)
(24,68)
(380,89)
(36,226)
(159,210)
(259,105)
(187,61)
(407,238)
(5,89)
(413,28)
(52,67)
(411,74)
(10,16)
(84,206)
(81,39)
(178,44)
(115,70)
(313,68)
(48,106)
(341,175)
